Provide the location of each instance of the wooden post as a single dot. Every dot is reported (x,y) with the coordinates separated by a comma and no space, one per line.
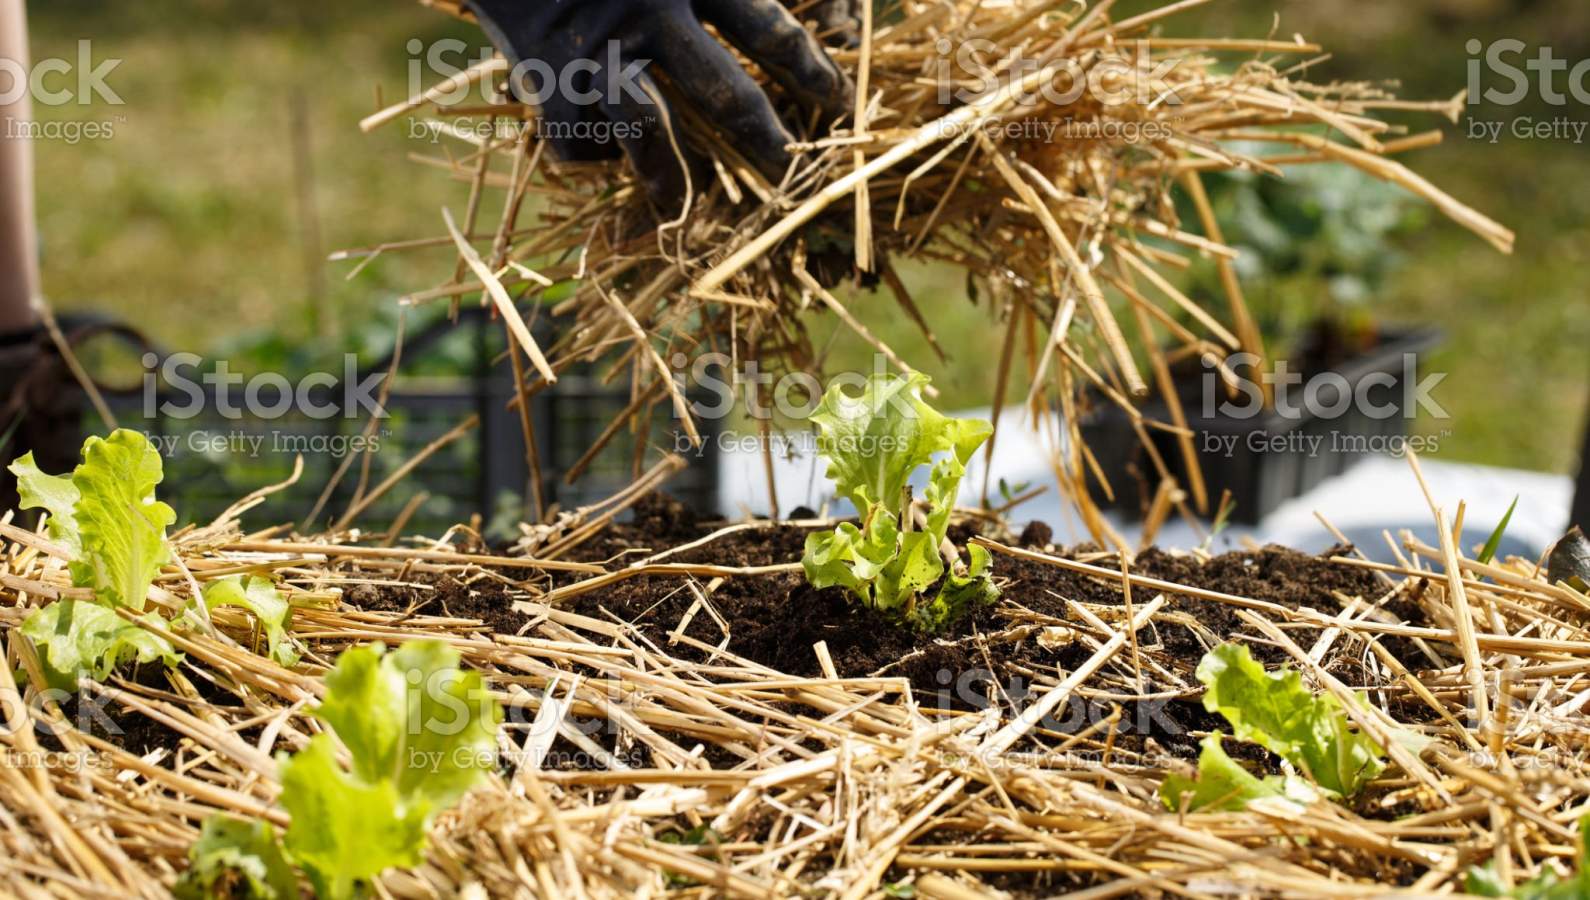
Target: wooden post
(19,268)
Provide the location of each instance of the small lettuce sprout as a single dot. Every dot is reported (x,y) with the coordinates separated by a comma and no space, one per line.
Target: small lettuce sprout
(1224,785)
(260,597)
(1482,881)
(236,859)
(1273,709)
(873,443)
(419,734)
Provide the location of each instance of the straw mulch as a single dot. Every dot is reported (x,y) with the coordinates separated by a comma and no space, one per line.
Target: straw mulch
(821,787)
(1060,204)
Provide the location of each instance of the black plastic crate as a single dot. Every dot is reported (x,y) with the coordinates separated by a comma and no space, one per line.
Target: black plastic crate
(485,472)
(1269,461)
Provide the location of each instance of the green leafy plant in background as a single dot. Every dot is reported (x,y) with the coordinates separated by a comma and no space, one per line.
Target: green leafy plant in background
(105,516)
(873,443)
(419,734)
(1274,710)
(1482,881)
(1319,225)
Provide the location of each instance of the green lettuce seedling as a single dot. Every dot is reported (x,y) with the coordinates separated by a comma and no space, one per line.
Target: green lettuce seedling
(106,517)
(873,443)
(419,734)
(1223,784)
(1274,710)
(237,859)
(1482,881)
(260,597)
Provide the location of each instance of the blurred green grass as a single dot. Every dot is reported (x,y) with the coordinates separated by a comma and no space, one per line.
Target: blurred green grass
(187,222)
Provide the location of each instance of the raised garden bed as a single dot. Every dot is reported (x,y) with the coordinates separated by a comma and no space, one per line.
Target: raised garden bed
(685,716)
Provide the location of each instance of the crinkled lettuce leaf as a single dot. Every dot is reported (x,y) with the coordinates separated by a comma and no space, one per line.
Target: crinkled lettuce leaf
(850,558)
(1275,710)
(959,594)
(237,859)
(413,717)
(122,525)
(79,639)
(260,597)
(420,733)
(873,442)
(1222,784)
(346,830)
(56,495)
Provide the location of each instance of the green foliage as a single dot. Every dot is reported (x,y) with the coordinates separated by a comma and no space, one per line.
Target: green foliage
(106,517)
(237,859)
(56,495)
(346,830)
(122,525)
(699,836)
(1548,885)
(78,639)
(1274,709)
(1488,552)
(1331,225)
(419,732)
(1223,784)
(260,597)
(412,717)
(873,443)
(961,593)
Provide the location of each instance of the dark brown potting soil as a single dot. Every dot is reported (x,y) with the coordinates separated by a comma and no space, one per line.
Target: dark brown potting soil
(998,654)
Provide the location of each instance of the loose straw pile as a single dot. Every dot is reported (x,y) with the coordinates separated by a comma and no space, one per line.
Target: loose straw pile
(1059,202)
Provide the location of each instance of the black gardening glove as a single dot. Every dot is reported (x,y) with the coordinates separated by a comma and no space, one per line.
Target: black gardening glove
(612,105)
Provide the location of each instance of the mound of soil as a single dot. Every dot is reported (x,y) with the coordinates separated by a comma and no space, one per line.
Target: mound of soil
(992,656)
(775,619)
(996,655)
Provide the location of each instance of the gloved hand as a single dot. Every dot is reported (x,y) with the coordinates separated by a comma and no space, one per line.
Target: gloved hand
(600,57)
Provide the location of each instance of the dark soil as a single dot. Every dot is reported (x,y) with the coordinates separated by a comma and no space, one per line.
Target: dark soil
(102,717)
(486,600)
(775,620)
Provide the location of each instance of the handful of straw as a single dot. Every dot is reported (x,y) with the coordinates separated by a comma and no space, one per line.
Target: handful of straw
(1036,145)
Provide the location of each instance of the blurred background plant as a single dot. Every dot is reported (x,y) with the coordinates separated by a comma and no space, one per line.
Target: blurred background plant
(236,167)
(1315,247)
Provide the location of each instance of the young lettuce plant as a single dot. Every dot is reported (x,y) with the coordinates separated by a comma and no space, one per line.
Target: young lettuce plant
(419,734)
(1482,881)
(1273,709)
(260,597)
(106,517)
(873,443)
